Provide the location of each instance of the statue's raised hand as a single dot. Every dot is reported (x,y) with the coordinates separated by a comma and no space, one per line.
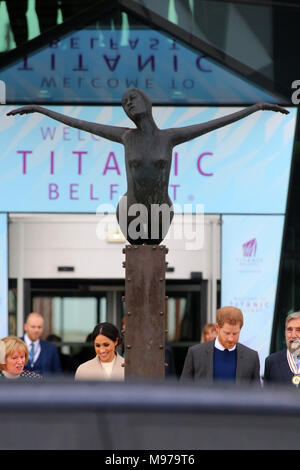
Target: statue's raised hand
(272,107)
(24,110)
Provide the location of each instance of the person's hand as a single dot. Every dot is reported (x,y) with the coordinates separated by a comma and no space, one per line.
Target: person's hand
(23,110)
(273,107)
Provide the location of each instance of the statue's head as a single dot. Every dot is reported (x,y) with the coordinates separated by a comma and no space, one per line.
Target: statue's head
(136,104)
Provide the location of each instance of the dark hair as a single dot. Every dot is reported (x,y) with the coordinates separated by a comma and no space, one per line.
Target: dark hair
(107,329)
(53,338)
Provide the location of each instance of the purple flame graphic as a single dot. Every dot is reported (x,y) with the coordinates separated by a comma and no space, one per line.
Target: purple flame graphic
(249,248)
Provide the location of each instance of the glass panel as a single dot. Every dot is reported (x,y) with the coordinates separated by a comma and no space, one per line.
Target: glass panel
(70,321)
(183,321)
(22,20)
(262,36)
(74,318)
(102,310)
(174,316)
(70,318)
(254,34)
(183,317)
(12,307)
(244,32)
(117,53)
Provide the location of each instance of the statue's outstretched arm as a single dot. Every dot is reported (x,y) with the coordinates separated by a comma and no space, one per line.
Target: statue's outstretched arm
(114,133)
(183,134)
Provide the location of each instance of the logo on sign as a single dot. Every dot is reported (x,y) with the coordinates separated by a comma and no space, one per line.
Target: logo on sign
(248,259)
(249,248)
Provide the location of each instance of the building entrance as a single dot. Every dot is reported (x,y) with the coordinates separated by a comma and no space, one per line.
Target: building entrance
(60,267)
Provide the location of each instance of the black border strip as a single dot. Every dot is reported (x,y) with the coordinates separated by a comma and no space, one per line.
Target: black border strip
(278,315)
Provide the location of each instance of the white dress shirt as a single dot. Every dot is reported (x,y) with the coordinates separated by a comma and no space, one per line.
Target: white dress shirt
(218,345)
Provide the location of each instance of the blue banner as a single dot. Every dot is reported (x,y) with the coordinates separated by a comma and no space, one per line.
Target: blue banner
(251,247)
(49,167)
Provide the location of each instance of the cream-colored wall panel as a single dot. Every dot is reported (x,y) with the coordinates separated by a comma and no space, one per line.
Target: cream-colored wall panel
(86,263)
(39,243)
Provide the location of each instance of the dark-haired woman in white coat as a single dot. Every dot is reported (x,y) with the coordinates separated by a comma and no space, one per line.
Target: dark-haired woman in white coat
(107,364)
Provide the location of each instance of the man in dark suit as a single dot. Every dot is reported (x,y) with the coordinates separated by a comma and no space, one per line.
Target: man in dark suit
(283,367)
(223,358)
(43,356)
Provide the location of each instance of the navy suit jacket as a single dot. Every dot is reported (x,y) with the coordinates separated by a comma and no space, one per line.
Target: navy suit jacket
(277,370)
(48,361)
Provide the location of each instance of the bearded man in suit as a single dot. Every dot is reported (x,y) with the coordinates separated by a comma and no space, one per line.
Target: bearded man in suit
(43,355)
(283,367)
(223,358)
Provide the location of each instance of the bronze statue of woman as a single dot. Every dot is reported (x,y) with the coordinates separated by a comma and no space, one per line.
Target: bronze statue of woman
(145,211)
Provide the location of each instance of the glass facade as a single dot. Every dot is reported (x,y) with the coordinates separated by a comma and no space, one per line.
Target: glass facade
(105,61)
(71,309)
(242,31)
(120,50)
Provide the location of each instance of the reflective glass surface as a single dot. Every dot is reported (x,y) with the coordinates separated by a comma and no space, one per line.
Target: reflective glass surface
(100,62)
(262,36)
(243,31)
(23,20)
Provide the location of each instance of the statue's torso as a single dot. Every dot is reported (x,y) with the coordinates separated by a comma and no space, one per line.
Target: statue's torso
(148,161)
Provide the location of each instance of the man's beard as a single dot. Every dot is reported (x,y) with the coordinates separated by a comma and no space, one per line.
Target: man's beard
(294,346)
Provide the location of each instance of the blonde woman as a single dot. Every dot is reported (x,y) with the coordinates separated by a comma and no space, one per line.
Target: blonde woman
(13,357)
(209,332)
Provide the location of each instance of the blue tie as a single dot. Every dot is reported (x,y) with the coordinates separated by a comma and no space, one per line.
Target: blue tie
(31,354)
